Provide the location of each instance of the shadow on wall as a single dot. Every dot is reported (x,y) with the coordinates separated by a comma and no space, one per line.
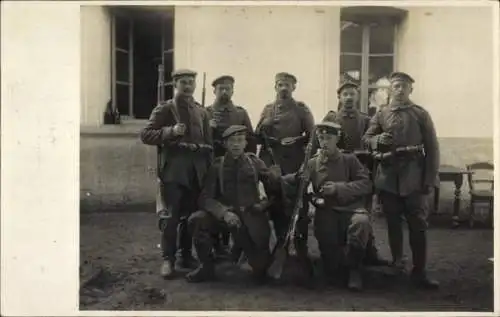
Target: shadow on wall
(118,172)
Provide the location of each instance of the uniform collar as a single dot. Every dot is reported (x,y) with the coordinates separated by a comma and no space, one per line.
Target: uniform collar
(285,102)
(396,107)
(349,113)
(184,101)
(226,106)
(324,157)
(230,158)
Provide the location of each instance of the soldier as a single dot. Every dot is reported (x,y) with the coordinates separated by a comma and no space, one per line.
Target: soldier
(230,199)
(341,223)
(284,129)
(404,135)
(181,126)
(354,124)
(223,113)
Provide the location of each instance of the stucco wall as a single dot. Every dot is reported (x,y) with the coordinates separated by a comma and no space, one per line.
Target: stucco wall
(448,51)
(254,43)
(95,84)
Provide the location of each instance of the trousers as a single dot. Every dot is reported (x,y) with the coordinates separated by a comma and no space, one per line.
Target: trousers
(342,238)
(252,236)
(413,208)
(181,202)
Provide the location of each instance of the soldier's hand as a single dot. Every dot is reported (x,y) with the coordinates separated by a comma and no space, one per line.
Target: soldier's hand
(275,171)
(232,219)
(329,188)
(179,129)
(385,138)
(213,123)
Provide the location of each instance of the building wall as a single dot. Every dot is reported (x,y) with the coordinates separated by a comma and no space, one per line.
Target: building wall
(449,53)
(242,41)
(109,180)
(95,63)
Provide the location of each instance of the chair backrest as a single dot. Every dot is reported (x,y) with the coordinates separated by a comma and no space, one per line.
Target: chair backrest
(480,173)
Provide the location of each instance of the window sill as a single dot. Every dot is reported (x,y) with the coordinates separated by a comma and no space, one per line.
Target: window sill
(128,128)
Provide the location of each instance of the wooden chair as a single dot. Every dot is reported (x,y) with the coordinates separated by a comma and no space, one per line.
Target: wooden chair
(481,173)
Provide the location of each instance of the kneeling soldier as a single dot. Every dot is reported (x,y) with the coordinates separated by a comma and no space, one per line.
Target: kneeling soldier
(231,200)
(341,223)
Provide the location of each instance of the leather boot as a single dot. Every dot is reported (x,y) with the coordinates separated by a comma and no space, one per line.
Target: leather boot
(355,280)
(186,261)
(206,270)
(420,279)
(354,257)
(372,257)
(167,270)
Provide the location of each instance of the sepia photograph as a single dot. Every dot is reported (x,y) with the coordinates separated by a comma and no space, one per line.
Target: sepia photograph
(315,158)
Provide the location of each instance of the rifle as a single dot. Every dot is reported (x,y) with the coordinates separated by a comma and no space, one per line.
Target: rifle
(203,91)
(160,201)
(280,251)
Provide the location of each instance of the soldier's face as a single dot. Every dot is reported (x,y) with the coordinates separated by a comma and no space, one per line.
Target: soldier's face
(223,92)
(401,90)
(236,144)
(185,86)
(349,97)
(328,141)
(284,88)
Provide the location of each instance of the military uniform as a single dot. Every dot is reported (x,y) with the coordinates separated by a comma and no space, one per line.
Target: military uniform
(285,126)
(405,174)
(341,223)
(184,163)
(232,185)
(354,124)
(226,115)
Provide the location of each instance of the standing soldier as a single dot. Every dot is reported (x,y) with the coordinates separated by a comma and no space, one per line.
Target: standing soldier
(404,137)
(341,223)
(284,129)
(231,200)
(223,113)
(354,124)
(181,126)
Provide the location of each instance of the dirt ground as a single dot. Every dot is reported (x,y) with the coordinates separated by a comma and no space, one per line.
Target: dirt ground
(119,260)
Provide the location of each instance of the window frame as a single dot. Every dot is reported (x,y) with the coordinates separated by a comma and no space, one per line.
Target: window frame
(128,13)
(364,17)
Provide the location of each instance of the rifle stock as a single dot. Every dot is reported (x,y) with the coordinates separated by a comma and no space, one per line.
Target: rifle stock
(204,90)
(280,251)
(160,199)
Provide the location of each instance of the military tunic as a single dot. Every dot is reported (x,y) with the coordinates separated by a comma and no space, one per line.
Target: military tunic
(341,225)
(401,179)
(226,116)
(354,124)
(182,169)
(232,185)
(288,119)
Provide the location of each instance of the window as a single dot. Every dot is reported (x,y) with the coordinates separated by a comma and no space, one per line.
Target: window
(367,51)
(141,39)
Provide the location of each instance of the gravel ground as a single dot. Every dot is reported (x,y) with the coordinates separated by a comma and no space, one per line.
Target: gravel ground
(119,262)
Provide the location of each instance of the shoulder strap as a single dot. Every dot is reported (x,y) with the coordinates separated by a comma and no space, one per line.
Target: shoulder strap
(221,175)
(221,172)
